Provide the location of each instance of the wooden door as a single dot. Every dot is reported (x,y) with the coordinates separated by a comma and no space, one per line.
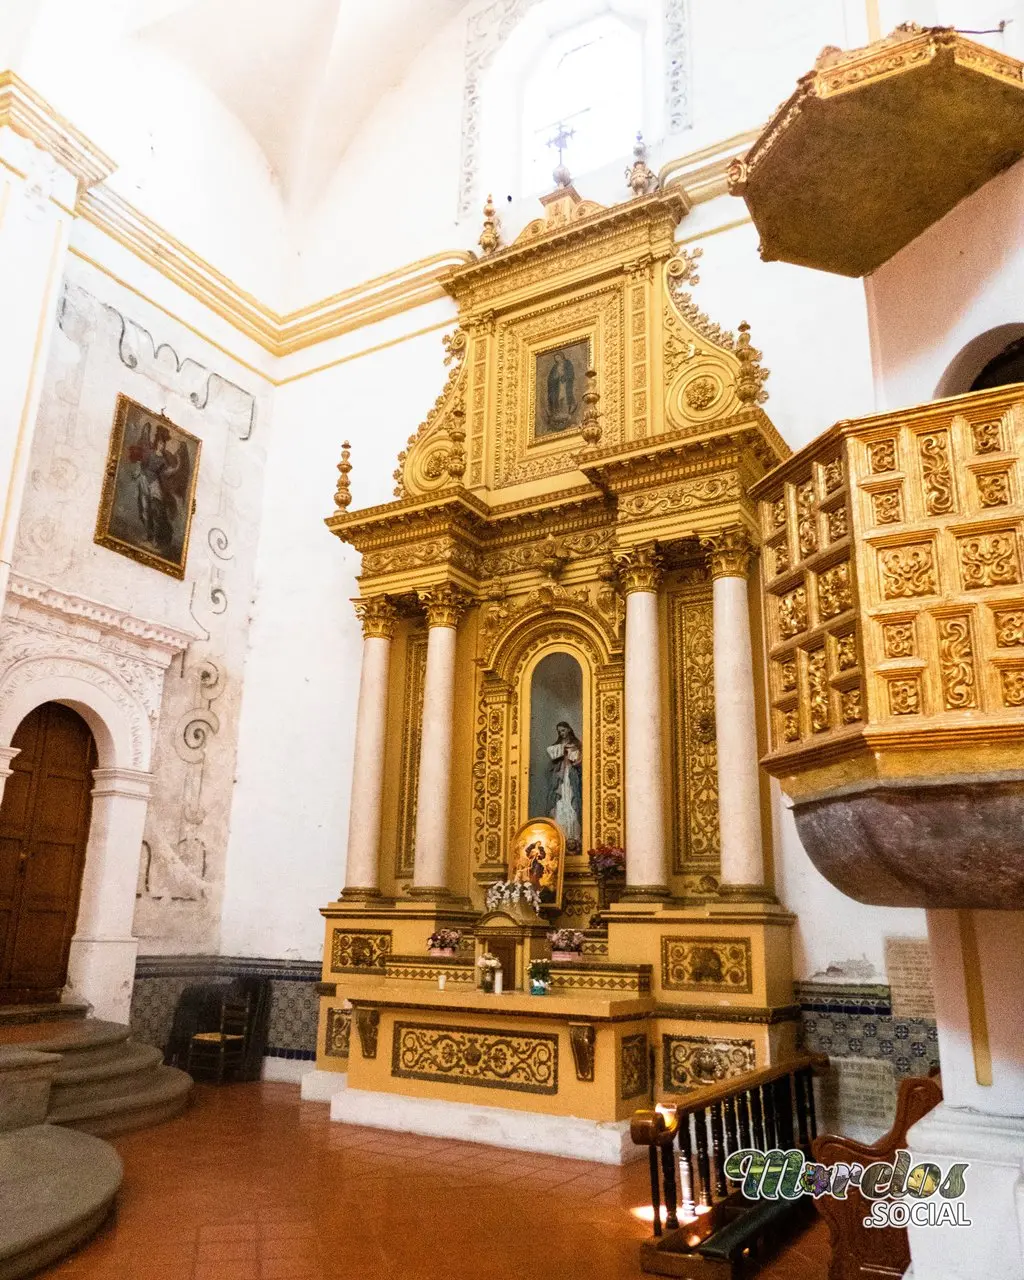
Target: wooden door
(44,825)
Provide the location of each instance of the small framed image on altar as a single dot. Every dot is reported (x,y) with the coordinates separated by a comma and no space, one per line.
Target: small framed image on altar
(538,855)
(560,378)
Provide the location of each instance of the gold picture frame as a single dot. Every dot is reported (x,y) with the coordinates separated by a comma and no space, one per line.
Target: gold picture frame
(149,487)
(538,855)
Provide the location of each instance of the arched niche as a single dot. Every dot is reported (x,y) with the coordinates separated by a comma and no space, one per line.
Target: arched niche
(965,370)
(502,763)
(556,697)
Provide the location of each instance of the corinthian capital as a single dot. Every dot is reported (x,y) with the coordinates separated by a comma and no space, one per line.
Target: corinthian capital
(639,569)
(444,604)
(378,616)
(730,551)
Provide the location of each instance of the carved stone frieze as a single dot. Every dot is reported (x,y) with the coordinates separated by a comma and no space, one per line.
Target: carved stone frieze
(360,950)
(688,495)
(706,964)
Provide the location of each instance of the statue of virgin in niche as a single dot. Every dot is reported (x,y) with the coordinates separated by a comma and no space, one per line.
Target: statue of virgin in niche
(565,785)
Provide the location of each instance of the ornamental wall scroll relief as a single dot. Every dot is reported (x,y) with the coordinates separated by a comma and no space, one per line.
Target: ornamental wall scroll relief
(482,1057)
(706,964)
(691,1061)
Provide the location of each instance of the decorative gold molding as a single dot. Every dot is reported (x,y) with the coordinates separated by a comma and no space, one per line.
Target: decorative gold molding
(730,552)
(378,616)
(27,113)
(639,569)
(444,605)
(485,1057)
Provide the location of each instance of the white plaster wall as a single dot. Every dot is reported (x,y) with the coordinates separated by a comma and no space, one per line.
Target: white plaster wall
(108,341)
(290,811)
(963,277)
(182,157)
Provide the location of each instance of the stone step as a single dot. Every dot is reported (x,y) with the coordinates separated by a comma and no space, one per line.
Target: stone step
(59,1186)
(12,1015)
(162,1095)
(80,1042)
(132,1070)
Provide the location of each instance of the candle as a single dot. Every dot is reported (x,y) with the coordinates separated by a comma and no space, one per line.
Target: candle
(499,979)
(442,978)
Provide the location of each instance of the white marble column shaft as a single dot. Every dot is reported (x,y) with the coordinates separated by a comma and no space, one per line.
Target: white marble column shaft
(739,793)
(646,846)
(433,802)
(362,862)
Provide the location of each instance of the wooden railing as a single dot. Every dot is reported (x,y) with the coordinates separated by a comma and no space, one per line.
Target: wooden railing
(764,1110)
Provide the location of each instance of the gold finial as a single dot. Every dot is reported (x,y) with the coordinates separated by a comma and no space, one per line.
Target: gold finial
(343,493)
(590,429)
(490,237)
(751,377)
(639,178)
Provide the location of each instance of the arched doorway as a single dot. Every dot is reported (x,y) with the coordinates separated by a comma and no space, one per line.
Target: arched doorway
(44,826)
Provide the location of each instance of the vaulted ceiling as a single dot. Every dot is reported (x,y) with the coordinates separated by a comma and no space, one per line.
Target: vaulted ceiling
(301,75)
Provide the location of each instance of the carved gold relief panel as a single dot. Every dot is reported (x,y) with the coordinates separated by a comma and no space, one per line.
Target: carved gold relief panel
(409,761)
(694,743)
(706,964)
(691,1061)
(933,580)
(483,1057)
(360,950)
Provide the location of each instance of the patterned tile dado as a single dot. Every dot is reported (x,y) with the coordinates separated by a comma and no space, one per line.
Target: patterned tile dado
(294,1007)
(856,1021)
(360,950)
(703,964)
(690,1061)
(635,1062)
(478,1056)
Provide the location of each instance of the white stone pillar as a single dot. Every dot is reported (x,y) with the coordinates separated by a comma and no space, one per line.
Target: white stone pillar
(646,848)
(101,964)
(444,606)
(977,969)
(38,195)
(362,862)
(739,792)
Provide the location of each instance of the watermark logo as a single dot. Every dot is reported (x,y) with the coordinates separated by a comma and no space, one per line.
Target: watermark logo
(903,1193)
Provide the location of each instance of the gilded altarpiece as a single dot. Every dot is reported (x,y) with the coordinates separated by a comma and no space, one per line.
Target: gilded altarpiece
(528,504)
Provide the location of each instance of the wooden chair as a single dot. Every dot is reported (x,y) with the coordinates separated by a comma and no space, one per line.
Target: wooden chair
(218,1055)
(859,1252)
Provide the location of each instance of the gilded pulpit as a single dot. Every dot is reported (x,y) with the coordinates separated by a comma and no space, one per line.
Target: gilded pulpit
(558,626)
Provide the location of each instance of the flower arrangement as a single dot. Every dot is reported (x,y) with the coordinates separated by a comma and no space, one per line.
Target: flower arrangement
(444,940)
(567,941)
(539,973)
(490,967)
(607,861)
(507,893)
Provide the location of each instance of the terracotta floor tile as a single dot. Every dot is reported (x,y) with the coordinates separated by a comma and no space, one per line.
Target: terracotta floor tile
(253,1184)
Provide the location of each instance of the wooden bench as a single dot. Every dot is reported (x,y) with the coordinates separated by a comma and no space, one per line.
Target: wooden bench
(710,1230)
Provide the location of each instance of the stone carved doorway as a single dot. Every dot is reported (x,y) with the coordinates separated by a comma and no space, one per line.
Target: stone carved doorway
(44,828)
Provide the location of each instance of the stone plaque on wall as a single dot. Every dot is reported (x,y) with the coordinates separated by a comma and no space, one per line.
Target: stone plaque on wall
(908,963)
(859,1097)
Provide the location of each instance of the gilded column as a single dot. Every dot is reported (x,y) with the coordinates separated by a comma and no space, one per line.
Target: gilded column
(646,849)
(739,795)
(362,865)
(444,605)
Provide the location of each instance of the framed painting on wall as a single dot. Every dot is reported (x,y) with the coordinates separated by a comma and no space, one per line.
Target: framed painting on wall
(148,489)
(560,380)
